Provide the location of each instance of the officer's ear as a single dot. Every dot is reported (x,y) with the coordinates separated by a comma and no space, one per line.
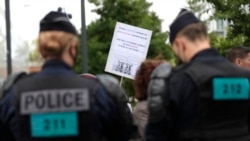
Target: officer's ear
(73,50)
(238,61)
(180,42)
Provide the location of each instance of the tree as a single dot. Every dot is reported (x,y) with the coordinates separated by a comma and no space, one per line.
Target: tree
(35,57)
(224,44)
(220,43)
(134,12)
(100,32)
(78,61)
(238,15)
(200,8)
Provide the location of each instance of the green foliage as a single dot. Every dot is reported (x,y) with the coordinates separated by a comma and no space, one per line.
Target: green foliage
(127,84)
(78,68)
(237,31)
(199,7)
(224,44)
(34,55)
(237,13)
(100,33)
(133,12)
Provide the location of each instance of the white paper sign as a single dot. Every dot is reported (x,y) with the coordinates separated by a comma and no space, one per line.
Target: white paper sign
(128,49)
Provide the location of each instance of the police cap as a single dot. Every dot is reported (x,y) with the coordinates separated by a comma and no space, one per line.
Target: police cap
(57,20)
(183,19)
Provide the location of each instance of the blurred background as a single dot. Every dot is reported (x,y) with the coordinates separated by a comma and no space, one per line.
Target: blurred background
(227,23)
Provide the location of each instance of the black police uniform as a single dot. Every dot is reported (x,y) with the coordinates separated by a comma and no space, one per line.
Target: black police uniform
(55,104)
(204,100)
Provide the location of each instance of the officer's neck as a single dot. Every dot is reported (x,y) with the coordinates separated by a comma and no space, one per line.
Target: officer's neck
(64,58)
(68,59)
(197,47)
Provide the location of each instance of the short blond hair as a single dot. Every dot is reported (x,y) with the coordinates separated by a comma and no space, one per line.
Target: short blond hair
(53,43)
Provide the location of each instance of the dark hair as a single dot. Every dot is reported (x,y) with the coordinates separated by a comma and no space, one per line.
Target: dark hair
(142,77)
(237,52)
(194,31)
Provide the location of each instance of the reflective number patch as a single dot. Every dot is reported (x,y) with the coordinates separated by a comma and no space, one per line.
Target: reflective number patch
(230,89)
(54,124)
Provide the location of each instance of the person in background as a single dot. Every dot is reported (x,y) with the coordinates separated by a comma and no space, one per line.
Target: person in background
(240,56)
(140,83)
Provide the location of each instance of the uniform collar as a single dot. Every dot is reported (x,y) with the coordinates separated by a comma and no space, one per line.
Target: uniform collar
(56,64)
(210,54)
(205,53)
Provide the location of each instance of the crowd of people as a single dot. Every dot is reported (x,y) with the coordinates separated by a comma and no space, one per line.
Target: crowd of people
(205,97)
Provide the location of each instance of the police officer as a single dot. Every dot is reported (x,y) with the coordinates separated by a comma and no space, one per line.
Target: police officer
(55,104)
(203,99)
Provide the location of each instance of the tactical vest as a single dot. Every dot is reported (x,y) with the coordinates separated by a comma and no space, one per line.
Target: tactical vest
(54,108)
(221,101)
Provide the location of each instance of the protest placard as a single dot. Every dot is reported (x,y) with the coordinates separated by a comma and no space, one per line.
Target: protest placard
(128,49)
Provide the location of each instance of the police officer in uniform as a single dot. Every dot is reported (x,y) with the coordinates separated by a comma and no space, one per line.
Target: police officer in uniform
(203,99)
(55,104)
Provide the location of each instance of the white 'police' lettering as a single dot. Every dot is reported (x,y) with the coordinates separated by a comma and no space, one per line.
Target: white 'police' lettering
(55,100)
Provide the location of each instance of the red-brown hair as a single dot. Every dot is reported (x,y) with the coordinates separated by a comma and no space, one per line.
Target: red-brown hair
(142,77)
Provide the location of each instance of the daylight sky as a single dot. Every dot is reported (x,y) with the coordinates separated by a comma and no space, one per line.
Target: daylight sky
(25,14)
